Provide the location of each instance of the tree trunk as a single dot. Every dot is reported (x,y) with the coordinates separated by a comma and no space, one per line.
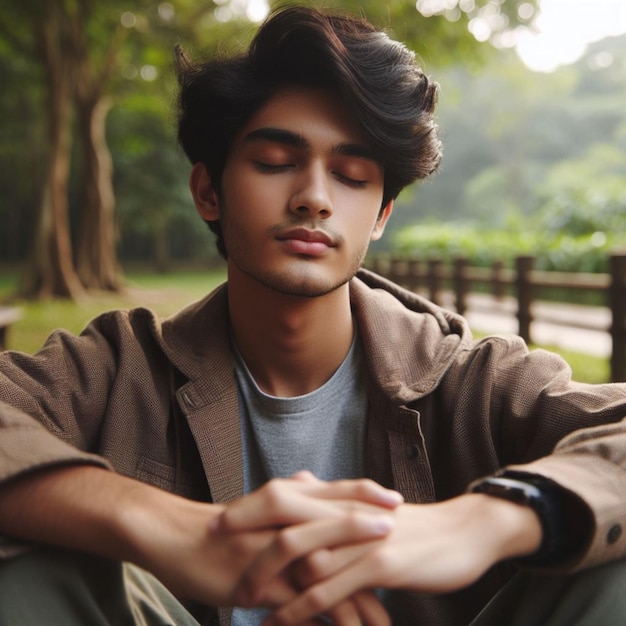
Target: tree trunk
(96,259)
(50,270)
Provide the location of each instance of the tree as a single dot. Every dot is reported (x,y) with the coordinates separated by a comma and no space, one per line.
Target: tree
(50,270)
(56,40)
(96,259)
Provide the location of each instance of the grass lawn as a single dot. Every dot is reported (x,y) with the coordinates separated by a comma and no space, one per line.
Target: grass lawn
(163,293)
(166,294)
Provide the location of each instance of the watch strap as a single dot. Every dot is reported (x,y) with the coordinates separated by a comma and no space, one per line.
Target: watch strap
(547,499)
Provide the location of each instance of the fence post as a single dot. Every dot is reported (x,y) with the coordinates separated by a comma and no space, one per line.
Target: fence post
(397,271)
(497,284)
(617,300)
(461,285)
(524,266)
(435,280)
(415,272)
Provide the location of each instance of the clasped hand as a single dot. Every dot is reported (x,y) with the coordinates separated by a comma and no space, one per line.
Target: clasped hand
(338,541)
(299,516)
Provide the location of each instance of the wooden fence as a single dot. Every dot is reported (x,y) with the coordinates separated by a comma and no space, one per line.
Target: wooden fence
(524,283)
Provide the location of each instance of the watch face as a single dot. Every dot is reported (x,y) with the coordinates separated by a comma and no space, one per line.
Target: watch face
(508,489)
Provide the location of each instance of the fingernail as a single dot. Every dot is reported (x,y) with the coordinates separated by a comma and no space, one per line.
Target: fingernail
(393,497)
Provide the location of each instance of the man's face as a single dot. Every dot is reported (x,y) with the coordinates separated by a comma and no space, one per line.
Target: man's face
(301,195)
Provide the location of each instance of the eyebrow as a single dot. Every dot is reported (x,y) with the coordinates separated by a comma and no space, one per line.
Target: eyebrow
(297,140)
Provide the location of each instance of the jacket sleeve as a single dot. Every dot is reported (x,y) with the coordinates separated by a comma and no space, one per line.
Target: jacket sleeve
(53,405)
(544,423)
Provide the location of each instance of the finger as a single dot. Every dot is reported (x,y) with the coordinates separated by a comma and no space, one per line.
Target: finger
(278,503)
(295,542)
(306,476)
(363,609)
(322,597)
(361,490)
(278,593)
(371,610)
(345,614)
(323,563)
(282,502)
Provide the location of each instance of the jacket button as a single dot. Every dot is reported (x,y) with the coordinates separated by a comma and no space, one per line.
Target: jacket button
(412,451)
(615,532)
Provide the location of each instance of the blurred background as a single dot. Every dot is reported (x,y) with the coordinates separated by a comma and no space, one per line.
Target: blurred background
(93,186)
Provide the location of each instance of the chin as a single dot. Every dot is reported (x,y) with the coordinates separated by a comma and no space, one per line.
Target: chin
(302,286)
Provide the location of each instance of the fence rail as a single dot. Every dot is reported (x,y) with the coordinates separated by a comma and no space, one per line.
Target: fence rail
(525,283)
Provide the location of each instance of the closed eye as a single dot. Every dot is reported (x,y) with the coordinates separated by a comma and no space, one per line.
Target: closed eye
(272,168)
(351,182)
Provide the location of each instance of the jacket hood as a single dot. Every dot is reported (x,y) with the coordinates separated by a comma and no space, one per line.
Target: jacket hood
(409,342)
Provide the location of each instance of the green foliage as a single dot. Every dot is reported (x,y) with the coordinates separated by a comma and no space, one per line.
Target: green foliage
(448,240)
(439,32)
(582,253)
(586,195)
(482,246)
(151,183)
(533,164)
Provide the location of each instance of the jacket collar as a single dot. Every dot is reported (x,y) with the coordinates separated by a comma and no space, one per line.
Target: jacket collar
(409,342)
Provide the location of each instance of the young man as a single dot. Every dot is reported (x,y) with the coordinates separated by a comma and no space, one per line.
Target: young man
(302,361)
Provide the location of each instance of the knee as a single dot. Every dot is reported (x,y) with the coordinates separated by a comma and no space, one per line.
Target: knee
(61,587)
(55,567)
(587,598)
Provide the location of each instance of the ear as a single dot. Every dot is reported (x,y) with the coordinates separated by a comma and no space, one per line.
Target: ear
(381,221)
(204,193)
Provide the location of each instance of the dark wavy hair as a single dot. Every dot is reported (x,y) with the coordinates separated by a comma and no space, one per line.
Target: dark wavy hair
(377,78)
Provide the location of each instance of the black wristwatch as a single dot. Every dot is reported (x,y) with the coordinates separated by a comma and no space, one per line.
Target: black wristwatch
(546,498)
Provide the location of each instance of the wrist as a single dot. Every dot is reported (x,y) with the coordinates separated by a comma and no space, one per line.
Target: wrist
(547,500)
(154,523)
(514,529)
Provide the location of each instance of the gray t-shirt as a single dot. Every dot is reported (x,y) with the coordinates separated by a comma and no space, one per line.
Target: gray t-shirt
(323,431)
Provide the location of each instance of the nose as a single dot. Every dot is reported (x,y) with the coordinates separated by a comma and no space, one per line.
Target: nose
(311,195)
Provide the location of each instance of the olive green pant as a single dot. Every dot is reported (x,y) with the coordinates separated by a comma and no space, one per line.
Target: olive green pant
(50,587)
(61,588)
(595,597)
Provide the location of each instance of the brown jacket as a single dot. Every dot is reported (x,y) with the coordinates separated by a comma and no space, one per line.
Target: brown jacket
(157,401)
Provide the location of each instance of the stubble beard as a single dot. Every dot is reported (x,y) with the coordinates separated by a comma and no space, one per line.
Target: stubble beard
(299,282)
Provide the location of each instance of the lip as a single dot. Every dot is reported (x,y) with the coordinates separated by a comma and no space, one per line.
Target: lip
(309,236)
(305,242)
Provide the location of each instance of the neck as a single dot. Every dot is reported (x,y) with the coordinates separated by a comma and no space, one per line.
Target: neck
(291,345)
